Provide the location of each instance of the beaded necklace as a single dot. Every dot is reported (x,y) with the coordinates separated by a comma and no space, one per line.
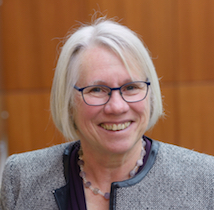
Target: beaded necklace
(97,191)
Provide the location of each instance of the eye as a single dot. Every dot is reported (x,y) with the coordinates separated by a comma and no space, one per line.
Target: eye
(131,87)
(95,90)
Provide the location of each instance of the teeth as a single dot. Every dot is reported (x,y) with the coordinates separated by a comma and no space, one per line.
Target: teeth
(116,127)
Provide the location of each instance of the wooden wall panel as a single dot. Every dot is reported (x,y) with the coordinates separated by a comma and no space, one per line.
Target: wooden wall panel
(110,8)
(31,32)
(195,38)
(166,129)
(196,117)
(30,125)
(179,35)
(155,22)
(1,118)
(3,115)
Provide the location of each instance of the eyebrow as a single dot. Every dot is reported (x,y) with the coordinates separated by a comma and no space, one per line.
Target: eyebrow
(98,82)
(101,82)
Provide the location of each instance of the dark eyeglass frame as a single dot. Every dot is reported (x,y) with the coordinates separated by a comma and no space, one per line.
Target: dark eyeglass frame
(112,89)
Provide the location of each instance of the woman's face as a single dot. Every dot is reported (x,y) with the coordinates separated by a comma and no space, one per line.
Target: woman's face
(101,66)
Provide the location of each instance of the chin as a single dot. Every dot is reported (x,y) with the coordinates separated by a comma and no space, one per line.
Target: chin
(119,146)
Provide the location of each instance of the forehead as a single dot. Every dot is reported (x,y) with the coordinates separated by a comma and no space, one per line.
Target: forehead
(102,63)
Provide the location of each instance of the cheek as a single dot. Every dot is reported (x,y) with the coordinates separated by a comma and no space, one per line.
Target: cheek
(143,110)
(78,109)
(84,114)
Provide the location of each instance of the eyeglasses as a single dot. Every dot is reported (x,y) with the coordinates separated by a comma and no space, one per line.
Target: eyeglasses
(96,95)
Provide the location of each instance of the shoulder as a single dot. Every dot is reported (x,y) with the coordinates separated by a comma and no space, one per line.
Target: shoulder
(33,175)
(39,160)
(48,152)
(41,157)
(175,155)
(179,179)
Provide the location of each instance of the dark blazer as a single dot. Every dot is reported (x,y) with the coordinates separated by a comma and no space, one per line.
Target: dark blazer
(173,178)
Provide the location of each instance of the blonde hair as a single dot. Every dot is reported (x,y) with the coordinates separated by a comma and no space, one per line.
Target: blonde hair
(119,39)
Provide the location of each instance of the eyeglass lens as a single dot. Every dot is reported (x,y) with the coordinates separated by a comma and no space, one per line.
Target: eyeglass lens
(100,94)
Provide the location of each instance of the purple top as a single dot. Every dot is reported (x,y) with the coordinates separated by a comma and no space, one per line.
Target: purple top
(77,197)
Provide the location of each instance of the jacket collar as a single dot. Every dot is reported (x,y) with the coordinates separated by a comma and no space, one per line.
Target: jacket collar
(62,195)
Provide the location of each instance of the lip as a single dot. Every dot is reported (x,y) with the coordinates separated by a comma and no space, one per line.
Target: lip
(116,126)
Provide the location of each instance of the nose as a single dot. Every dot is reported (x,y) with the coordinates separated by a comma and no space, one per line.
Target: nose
(116,105)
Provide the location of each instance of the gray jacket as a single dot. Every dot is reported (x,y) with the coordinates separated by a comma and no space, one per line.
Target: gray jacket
(173,178)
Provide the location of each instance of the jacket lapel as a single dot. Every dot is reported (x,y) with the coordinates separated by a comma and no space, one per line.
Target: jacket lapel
(62,195)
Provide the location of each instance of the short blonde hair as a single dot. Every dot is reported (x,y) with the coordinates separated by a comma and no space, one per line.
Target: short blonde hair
(120,39)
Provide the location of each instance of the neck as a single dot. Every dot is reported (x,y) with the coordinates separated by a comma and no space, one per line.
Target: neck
(102,170)
(108,163)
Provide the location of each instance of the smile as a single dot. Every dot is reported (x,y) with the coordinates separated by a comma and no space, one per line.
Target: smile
(115,127)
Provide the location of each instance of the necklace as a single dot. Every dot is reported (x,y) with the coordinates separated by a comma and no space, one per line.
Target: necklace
(97,191)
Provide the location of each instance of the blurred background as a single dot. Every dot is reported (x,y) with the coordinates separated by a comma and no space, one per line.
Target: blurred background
(178,33)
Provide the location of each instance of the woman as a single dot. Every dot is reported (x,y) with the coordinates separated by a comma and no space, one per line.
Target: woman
(106,95)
